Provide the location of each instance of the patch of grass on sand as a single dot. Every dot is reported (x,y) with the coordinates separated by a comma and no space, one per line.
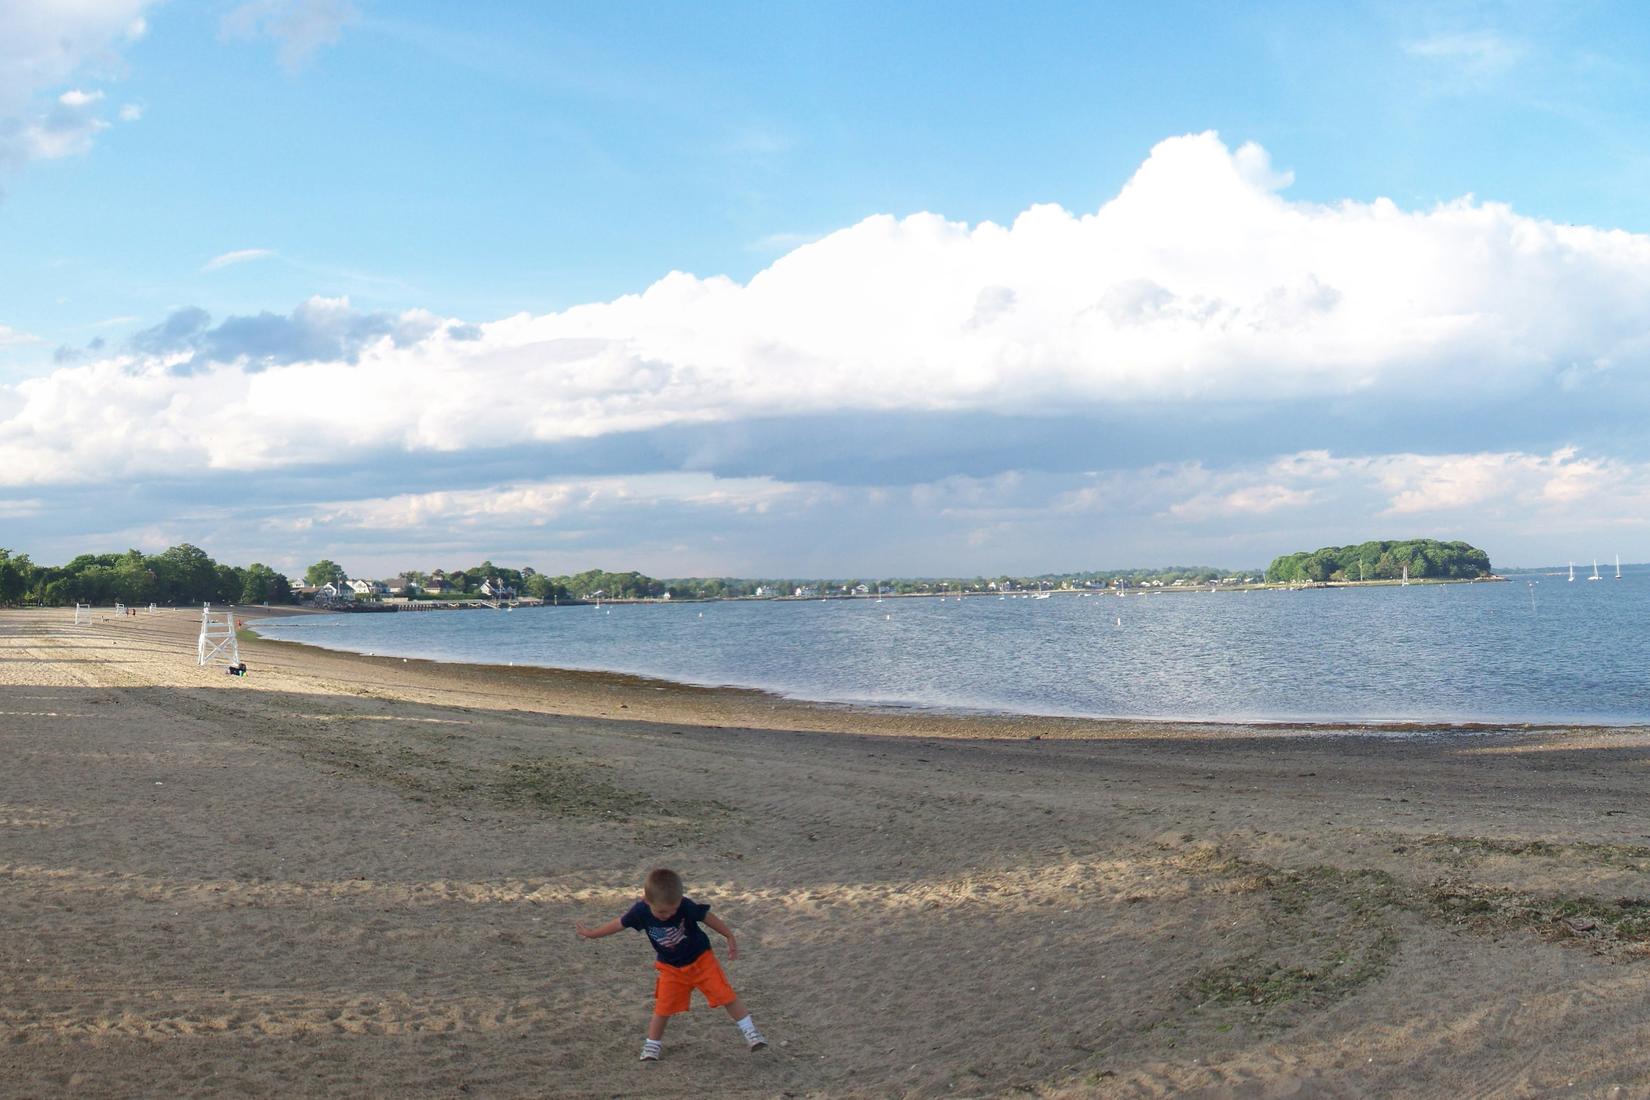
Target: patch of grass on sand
(1463,849)
(545,786)
(1621,926)
(565,788)
(1329,933)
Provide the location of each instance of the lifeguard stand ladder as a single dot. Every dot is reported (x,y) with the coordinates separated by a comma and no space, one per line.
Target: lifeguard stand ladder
(218,637)
(82,614)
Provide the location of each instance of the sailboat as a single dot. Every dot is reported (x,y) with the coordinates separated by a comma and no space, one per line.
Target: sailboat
(1595,576)
(1618,567)
(1572,572)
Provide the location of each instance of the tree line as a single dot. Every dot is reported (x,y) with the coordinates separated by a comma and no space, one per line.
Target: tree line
(184,574)
(1382,561)
(630,585)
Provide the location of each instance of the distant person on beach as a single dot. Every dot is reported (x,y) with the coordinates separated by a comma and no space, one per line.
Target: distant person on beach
(685,961)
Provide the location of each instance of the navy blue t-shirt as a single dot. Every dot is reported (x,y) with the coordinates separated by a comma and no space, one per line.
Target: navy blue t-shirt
(677,941)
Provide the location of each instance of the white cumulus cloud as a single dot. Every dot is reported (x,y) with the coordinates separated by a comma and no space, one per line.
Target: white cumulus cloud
(1199,285)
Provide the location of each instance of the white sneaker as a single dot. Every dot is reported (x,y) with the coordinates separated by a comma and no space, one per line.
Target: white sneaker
(754,1038)
(650,1050)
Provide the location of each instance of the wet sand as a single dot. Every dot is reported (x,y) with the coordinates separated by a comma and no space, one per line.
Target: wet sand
(357,876)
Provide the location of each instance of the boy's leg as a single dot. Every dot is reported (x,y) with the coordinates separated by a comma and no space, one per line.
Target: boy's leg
(656,1027)
(747,1026)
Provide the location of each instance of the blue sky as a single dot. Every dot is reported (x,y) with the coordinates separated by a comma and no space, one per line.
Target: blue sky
(295,278)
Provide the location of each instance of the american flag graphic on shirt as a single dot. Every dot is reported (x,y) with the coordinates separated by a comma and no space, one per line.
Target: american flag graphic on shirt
(670,936)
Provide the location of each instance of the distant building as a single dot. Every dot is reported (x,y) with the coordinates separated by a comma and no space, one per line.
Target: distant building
(438,585)
(335,590)
(807,591)
(496,589)
(400,586)
(367,588)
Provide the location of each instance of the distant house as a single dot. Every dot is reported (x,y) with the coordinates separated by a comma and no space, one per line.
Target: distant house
(437,585)
(335,590)
(496,589)
(862,590)
(807,591)
(768,590)
(367,588)
(400,586)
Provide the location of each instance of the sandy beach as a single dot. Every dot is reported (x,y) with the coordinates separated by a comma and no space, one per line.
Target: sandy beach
(358,876)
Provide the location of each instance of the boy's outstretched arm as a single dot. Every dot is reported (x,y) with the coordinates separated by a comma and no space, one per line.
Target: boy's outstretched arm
(714,923)
(597,933)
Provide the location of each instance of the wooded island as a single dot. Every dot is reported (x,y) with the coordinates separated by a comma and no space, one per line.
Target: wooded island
(1382,560)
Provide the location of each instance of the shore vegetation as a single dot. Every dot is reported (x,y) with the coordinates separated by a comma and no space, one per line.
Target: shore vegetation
(1382,560)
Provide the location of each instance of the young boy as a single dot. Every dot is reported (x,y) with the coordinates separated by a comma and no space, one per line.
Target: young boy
(685,959)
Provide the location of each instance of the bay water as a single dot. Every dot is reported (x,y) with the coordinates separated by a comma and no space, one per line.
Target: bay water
(1529,650)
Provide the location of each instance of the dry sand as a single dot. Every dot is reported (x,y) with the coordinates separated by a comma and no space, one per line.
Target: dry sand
(354,876)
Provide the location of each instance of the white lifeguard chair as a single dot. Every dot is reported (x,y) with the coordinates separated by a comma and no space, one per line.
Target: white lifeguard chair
(120,608)
(217,641)
(83,614)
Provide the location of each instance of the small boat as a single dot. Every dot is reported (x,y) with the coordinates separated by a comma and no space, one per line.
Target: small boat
(1595,576)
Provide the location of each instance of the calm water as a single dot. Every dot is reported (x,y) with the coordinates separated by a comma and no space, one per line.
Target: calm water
(1476,652)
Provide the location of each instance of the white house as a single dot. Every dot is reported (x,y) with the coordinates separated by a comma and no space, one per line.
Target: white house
(496,589)
(335,590)
(367,588)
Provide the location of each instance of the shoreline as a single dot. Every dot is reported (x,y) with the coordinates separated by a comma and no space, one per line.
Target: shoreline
(762,701)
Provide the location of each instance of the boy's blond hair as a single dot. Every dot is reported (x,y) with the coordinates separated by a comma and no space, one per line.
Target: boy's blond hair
(663,887)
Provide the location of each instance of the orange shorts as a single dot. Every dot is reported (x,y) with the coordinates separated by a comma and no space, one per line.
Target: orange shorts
(673,989)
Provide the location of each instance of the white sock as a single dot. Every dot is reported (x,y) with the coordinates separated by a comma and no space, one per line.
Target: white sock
(747,1025)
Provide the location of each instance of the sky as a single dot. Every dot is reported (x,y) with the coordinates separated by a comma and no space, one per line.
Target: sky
(844,290)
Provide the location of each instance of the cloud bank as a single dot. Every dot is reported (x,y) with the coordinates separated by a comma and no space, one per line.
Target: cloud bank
(1195,328)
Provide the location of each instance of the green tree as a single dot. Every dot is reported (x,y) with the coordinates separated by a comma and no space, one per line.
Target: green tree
(16,576)
(186,574)
(325,571)
(261,584)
